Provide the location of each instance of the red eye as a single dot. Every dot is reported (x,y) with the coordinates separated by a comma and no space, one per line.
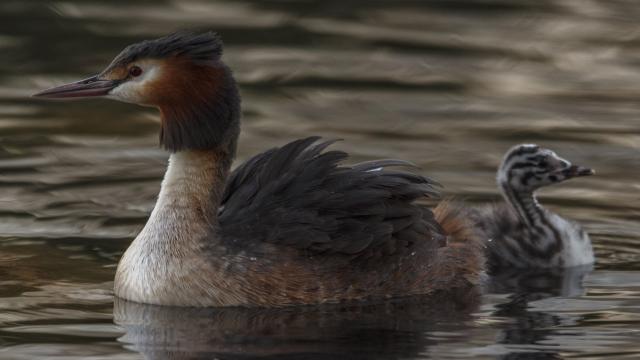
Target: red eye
(135,71)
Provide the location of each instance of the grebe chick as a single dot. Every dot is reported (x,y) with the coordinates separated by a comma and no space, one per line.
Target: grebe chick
(290,226)
(522,233)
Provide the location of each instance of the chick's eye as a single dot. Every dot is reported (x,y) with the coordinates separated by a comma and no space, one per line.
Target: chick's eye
(135,71)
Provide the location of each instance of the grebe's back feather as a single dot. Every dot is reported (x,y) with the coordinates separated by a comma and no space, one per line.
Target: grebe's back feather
(301,195)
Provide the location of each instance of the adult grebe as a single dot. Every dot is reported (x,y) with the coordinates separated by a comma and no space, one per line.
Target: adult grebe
(291,225)
(523,234)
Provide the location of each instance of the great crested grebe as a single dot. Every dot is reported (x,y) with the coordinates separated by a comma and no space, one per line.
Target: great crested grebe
(289,226)
(523,234)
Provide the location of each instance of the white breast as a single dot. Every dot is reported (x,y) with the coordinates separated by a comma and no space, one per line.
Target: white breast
(577,249)
(165,264)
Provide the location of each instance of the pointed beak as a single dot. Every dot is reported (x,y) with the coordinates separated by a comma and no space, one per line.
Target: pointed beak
(89,87)
(575,171)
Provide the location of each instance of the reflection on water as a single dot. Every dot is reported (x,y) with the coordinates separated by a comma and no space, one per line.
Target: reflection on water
(394,329)
(449,85)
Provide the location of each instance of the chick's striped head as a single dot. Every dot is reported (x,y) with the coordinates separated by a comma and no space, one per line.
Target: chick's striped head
(528,167)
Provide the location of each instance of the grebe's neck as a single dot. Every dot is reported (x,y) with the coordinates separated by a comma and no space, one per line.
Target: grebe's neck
(200,125)
(536,219)
(525,204)
(186,210)
(193,184)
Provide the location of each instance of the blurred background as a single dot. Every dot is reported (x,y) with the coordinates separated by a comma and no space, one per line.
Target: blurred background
(449,85)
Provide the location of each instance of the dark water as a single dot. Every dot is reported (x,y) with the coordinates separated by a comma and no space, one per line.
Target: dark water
(449,85)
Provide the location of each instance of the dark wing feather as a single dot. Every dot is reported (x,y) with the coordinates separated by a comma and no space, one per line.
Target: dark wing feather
(300,195)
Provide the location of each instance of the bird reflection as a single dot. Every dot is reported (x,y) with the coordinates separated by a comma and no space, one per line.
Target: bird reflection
(394,329)
(530,328)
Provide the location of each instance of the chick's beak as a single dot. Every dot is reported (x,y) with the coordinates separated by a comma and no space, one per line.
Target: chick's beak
(89,87)
(575,171)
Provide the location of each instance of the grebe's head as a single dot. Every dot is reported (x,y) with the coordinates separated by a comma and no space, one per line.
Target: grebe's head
(528,167)
(182,75)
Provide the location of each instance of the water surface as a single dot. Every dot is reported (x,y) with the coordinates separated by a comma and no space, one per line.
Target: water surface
(449,85)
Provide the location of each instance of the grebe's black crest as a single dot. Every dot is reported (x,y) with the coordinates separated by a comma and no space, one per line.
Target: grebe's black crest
(199,47)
